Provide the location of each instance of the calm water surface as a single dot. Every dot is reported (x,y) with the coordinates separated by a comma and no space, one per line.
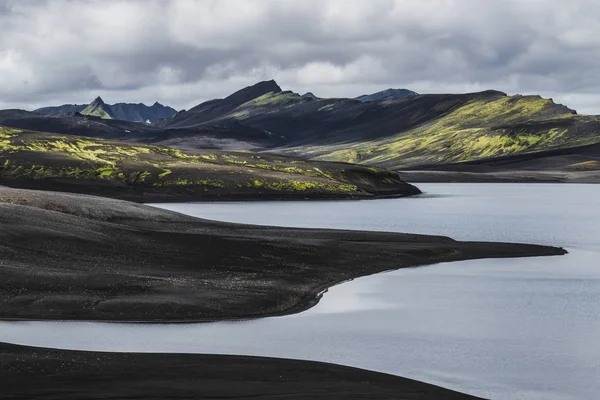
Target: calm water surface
(502,329)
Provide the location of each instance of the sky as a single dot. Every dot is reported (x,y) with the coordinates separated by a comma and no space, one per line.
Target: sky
(183,52)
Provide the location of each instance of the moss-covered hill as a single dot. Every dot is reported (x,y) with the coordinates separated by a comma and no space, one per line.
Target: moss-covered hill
(38,160)
(480,129)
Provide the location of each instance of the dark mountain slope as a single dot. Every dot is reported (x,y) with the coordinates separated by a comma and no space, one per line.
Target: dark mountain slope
(230,136)
(479,128)
(302,120)
(218,108)
(386,95)
(141,112)
(74,124)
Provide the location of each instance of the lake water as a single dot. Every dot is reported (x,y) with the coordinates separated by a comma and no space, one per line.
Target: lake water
(502,329)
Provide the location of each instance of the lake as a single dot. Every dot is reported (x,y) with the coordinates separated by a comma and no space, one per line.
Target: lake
(502,329)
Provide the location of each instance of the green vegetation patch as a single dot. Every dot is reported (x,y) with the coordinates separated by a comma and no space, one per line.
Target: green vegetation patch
(591,165)
(271,98)
(34,156)
(327,107)
(476,130)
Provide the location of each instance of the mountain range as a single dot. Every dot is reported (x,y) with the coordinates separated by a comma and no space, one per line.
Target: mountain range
(431,136)
(122,111)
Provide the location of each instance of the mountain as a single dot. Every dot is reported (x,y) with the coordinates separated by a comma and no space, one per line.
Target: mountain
(98,108)
(141,112)
(386,95)
(214,109)
(122,111)
(414,132)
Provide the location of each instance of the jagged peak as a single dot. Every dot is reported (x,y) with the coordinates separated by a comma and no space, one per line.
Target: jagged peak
(98,100)
(256,90)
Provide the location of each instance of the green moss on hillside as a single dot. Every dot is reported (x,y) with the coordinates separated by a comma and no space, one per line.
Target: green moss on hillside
(476,130)
(35,157)
(274,98)
(585,166)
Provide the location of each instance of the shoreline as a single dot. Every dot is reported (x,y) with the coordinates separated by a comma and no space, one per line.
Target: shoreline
(102,260)
(74,257)
(50,374)
(311,298)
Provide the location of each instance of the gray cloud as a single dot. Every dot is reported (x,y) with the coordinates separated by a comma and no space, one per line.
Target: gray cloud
(184,52)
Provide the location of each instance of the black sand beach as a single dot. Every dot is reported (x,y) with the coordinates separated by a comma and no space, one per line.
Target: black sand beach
(34,373)
(66,256)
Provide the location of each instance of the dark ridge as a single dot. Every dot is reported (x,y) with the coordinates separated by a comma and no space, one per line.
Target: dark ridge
(217,108)
(309,95)
(45,374)
(386,95)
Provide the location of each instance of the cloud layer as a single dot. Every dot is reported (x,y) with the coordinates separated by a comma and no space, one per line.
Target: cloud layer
(184,52)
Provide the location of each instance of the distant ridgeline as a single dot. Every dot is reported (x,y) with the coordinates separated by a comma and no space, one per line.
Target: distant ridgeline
(121,111)
(396,128)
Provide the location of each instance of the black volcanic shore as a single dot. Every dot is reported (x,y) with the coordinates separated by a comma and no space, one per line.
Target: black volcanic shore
(35,373)
(66,256)
(434,176)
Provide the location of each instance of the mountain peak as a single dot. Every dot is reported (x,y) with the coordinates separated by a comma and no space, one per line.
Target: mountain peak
(98,108)
(251,92)
(98,100)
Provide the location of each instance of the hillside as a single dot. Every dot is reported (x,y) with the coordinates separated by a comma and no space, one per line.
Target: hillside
(482,128)
(36,160)
(420,130)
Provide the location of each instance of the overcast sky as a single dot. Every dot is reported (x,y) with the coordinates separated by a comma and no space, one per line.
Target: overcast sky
(183,52)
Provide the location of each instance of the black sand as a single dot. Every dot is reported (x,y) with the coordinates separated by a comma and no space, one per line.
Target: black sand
(65,256)
(34,373)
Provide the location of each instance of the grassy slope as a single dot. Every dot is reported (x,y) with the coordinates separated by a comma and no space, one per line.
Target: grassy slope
(479,129)
(145,172)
